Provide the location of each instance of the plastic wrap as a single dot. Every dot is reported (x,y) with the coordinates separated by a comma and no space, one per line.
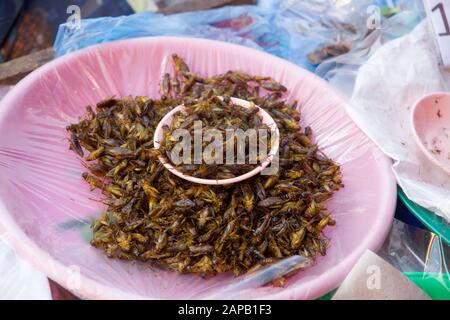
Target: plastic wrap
(18,279)
(46,207)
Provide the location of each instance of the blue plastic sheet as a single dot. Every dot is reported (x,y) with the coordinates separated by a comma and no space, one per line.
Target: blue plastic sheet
(246,25)
(290,29)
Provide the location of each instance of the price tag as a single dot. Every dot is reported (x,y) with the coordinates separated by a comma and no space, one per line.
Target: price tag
(438,11)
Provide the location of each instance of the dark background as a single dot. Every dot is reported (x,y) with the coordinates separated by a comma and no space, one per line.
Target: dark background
(27,26)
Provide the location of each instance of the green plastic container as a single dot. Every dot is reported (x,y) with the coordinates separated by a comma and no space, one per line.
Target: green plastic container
(429,219)
(437,286)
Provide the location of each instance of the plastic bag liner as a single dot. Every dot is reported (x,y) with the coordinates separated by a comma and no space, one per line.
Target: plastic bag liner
(18,279)
(46,207)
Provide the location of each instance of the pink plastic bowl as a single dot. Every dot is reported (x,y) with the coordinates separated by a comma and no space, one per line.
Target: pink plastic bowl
(430,120)
(45,206)
(266,119)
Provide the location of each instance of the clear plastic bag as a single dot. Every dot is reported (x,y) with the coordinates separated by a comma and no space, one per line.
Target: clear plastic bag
(421,256)
(290,29)
(411,249)
(311,25)
(341,71)
(247,25)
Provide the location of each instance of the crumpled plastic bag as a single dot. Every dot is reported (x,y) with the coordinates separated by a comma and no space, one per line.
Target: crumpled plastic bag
(290,29)
(421,254)
(247,25)
(383,76)
(314,24)
(412,249)
(386,88)
(342,70)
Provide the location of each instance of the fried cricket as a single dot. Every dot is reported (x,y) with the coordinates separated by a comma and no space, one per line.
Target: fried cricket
(153,216)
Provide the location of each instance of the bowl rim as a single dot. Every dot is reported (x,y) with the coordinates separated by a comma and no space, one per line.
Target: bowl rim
(269,121)
(93,289)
